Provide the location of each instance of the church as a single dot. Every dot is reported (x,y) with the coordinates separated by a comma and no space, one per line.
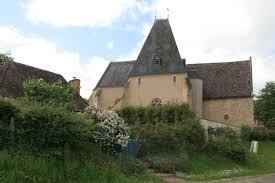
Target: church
(219,92)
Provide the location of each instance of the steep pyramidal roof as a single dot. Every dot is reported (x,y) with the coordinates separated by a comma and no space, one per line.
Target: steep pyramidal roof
(159,54)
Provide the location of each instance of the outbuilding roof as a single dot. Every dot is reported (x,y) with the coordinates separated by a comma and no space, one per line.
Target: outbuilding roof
(13,74)
(225,79)
(116,74)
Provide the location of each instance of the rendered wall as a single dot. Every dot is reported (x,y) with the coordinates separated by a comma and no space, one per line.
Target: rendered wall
(197,85)
(107,97)
(239,110)
(156,86)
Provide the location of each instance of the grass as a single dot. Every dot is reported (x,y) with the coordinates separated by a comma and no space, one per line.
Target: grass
(99,168)
(208,166)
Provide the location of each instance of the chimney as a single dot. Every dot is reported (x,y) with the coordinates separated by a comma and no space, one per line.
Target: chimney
(75,83)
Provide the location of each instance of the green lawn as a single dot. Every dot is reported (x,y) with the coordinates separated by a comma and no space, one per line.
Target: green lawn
(209,166)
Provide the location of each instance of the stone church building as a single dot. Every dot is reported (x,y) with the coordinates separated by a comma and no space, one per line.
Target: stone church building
(218,92)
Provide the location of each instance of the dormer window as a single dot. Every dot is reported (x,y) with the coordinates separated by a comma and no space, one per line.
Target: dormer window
(157,60)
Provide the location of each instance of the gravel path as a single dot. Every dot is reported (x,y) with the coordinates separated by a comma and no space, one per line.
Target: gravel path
(269,178)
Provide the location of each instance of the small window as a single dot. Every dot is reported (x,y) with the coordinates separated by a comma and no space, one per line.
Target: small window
(174,78)
(226,116)
(139,81)
(157,60)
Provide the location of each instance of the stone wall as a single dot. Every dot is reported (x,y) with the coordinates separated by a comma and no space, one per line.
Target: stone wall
(231,111)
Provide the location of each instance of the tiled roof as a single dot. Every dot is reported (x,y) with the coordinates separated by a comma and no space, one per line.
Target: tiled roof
(13,74)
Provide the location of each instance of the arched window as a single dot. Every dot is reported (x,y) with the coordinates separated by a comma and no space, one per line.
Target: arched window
(156,102)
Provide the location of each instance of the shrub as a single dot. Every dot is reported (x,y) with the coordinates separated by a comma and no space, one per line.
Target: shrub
(129,114)
(165,138)
(223,131)
(167,163)
(246,132)
(110,128)
(7,110)
(130,166)
(233,149)
(57,93)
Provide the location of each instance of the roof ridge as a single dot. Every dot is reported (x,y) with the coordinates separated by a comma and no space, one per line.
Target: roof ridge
(127,61)
(219,62)
(36,68)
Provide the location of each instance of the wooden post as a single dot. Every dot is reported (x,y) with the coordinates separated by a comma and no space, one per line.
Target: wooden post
(12,129)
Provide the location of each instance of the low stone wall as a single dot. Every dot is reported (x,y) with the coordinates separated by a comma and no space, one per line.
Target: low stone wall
(206,123)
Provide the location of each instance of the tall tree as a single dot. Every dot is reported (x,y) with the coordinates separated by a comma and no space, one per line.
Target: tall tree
(265,105)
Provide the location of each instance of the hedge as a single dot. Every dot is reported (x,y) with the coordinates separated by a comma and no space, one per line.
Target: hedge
(168,114)
(44,126)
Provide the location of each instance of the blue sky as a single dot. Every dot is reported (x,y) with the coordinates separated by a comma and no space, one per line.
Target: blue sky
(87,41)
(80,37)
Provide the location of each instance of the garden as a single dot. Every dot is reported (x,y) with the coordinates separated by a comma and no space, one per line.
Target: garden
(44,139)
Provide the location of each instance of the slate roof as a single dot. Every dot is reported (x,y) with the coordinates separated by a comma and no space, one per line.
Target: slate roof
(220,80)
(160,43)
(116,74)
(13,74)
(225,79)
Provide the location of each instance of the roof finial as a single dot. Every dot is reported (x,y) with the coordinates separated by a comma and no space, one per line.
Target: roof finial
(167,13)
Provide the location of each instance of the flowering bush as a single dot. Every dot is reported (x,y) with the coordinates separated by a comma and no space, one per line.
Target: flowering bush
(110,128)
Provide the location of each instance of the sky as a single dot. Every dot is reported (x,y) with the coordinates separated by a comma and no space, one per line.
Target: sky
(78,38)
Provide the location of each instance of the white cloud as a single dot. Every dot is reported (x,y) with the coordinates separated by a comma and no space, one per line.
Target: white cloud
(82,12)
(222,30)
(39,52)
(110,45)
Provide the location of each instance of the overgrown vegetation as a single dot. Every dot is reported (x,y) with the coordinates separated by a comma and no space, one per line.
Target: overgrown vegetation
(90,165)
(53,144)
(258,133)
(169,135)
(57,93)
(265,105)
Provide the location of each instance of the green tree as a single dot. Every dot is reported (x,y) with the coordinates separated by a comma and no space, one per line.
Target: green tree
(57,93)
(3,57)
(265,105)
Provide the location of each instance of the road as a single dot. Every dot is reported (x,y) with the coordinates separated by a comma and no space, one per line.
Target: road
(269,178)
